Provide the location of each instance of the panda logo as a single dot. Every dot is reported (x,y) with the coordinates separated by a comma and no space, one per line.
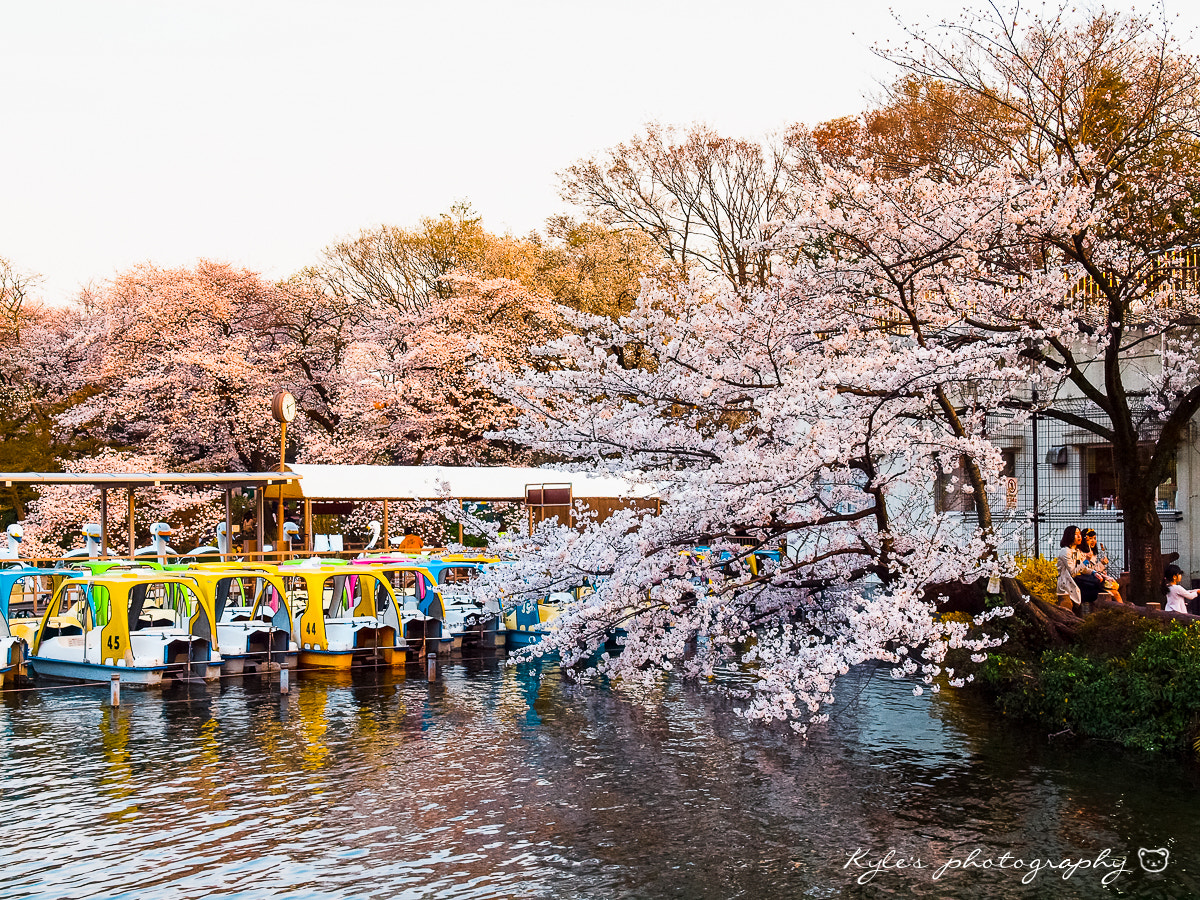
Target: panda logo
(1153,860)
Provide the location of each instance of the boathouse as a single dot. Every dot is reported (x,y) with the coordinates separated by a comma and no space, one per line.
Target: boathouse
(544,492)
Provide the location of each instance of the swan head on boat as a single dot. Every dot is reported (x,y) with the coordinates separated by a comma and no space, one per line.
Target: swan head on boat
(375,527)
(91,542)
(159,532)
(15,533)
(91,538)
(221,549)
(290,530)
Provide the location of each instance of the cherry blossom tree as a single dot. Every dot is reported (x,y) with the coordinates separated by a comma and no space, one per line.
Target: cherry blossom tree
(42,356)
(186,364)
(767,422)
(915,258)
(55,518)
(406,388)
(1111,100)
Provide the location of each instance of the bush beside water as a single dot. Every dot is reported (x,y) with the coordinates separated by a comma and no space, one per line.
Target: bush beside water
(1127,679)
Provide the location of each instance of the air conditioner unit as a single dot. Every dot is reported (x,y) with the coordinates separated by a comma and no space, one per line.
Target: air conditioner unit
(1057,457)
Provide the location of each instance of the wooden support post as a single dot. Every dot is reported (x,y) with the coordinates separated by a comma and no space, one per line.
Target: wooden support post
(283,679)
(387,540)
(308,535)
(460,522)
(103,523)
(132,540)
(259,524)
(431,665)
(228,525)
(114,690)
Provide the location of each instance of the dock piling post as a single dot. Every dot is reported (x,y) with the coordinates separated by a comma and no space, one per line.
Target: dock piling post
(114,690)
(283,679)
(431,664)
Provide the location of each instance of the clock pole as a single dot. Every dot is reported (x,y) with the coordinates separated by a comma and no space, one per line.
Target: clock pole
(279,516)
(283,410)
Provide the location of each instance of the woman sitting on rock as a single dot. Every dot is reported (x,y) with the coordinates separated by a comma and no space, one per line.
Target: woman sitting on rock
(1071,568)
(1095,558)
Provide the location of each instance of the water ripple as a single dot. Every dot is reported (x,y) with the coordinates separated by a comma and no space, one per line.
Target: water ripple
(489,783)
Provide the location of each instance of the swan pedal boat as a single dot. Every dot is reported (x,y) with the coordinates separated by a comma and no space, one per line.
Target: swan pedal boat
(427,614)
(145,626)
(254,621)
(529,621)
(473,622)
(343,617)
(17,625)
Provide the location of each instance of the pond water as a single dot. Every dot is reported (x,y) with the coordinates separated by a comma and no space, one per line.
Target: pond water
(488,783)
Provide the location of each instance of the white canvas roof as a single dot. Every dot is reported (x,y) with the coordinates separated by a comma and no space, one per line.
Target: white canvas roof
(460,482)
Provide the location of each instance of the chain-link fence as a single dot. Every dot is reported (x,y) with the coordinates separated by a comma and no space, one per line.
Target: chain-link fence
(1065,476)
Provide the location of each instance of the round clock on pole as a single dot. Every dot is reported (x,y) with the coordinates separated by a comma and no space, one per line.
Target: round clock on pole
(283,410)
(283,407)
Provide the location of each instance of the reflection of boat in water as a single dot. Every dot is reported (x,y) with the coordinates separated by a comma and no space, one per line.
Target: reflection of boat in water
(343,616)
(146,627)
(254,622)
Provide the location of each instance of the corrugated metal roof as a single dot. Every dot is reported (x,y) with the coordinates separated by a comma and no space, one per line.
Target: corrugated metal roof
(149,479)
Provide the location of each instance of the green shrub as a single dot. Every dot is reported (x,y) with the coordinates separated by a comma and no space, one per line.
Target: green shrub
(1149,700)
(1115,632)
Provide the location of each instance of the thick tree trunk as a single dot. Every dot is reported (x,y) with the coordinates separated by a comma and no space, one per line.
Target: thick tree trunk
(1143,546)
(1137,484)
(1058,624)
(1185,618)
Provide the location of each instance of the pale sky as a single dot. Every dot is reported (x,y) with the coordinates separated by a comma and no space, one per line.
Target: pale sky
(259,131)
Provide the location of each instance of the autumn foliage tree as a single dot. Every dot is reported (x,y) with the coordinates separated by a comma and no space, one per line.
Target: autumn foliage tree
(401,269)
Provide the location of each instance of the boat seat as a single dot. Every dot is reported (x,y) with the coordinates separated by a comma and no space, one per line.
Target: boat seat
(153,616)
(64,625)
